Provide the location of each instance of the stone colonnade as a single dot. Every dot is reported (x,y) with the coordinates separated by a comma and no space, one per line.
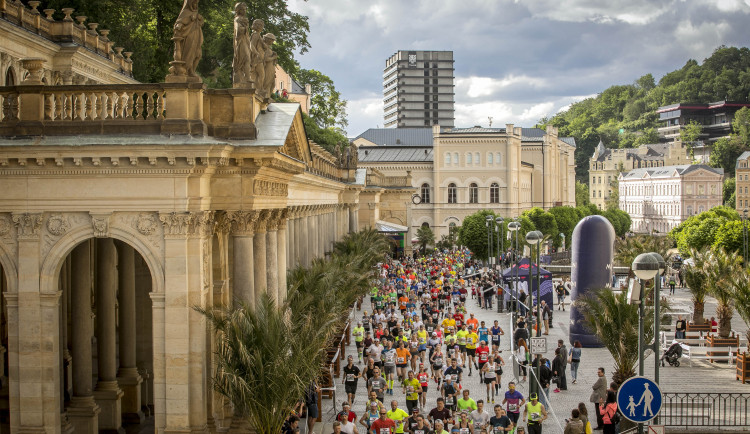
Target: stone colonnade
(312,230)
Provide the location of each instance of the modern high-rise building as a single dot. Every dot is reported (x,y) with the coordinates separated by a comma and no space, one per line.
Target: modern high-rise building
(418,89)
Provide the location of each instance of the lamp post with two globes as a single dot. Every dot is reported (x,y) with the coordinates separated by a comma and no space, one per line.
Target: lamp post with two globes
(534,238)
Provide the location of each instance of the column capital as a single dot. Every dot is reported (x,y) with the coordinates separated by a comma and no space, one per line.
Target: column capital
(240,222)
(183,224)
(262,222)
(273,219)
(283,216)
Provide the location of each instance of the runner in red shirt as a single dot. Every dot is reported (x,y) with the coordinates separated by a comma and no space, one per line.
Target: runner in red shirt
(383,425)
(483,356)
(424,380)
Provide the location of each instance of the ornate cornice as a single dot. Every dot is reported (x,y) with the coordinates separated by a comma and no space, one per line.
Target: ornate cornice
(184,224)
(269,188)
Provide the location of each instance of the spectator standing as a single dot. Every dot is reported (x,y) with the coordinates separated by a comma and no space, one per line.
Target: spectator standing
(598,395)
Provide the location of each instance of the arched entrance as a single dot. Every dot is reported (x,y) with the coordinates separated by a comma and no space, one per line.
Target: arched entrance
(105,336)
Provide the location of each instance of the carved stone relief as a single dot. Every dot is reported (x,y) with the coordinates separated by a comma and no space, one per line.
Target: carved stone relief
(28,225)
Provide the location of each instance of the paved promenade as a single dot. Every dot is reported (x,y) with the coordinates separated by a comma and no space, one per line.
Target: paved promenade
(701,377)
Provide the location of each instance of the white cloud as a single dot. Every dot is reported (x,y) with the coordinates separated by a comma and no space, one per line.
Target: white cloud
(475,87)
(701,39)
(636,12)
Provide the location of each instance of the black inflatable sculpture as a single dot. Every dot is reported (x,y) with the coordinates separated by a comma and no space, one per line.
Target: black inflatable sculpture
(591,268)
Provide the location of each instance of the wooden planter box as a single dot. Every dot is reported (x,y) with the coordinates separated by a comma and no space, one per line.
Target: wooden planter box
(743,367)
(715,341)
(705,328)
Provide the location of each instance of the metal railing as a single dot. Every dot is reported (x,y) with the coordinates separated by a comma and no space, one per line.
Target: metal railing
(712,409)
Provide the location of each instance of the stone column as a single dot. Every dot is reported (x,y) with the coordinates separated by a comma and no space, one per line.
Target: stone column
(282,263)
(83,412)
(352,218)
(242,226)
(289,244)
(272,251)
(127,377)
(314,232)
(108,394)
(298,234)
(322,232)
(259,254)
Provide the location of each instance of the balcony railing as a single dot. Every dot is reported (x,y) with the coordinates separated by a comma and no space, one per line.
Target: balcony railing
(705,409)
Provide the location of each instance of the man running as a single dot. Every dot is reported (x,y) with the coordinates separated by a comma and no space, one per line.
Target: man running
(352,375)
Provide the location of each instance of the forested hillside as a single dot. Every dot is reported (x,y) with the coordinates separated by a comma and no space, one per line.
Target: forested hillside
(625,115)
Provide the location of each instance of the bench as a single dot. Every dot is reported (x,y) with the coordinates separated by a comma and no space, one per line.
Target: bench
(703,355)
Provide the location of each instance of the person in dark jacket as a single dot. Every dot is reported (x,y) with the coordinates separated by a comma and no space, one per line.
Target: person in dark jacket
(558,370)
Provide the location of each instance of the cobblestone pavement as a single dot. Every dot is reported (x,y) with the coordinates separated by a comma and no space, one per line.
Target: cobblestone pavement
(702,376)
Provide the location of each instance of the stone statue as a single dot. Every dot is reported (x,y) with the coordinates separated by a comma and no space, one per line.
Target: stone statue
(188,39)
(257,55)
(241,62)
(269,62)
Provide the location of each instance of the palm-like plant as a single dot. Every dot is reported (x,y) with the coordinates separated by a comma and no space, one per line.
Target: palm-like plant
(267,357)
(615,323)
(721,269)
(741,298)
(695,279)
(425,236)
(628,248)
(264,361)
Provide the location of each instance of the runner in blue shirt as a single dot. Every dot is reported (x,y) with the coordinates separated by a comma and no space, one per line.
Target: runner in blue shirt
(483,332)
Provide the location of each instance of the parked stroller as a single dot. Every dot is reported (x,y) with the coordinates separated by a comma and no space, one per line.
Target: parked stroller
(672,355)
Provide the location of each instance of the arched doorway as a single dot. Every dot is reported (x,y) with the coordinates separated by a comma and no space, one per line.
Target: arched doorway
(105,336)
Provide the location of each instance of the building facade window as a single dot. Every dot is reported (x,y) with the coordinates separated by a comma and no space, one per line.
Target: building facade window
(451,193)
(477,158)
(425,193)
(468,158)
(447,158)
(455,158)
(489,158)
(473,193)
(494,192)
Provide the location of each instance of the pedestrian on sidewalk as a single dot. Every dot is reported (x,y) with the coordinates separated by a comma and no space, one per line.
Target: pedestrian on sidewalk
(575,360)
(599,394)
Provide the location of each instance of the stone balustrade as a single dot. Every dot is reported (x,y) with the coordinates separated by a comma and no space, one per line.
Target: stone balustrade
(66,30)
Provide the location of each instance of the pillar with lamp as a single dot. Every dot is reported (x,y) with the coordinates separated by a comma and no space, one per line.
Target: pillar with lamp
(500,229)
(535,238)
(514,226)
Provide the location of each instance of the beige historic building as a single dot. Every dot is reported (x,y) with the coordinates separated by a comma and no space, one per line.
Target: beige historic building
(458,171)
(74,52)
(606,165)
(742,182)
(124,206)
(294,91)
(660,198)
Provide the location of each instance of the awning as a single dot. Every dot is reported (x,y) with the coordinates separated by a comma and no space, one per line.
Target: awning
(388,227)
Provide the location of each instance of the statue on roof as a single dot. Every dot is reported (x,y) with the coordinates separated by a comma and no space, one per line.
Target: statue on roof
(188,40)
(269,62)
(241,75)
(257,56)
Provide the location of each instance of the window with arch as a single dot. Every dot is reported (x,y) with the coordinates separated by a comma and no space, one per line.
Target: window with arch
(425,193)
(489,158)
(468,158)
(494,192)
(473,193)
(455,158)
(498,158)
(451,193)
(447,158)
(477,158)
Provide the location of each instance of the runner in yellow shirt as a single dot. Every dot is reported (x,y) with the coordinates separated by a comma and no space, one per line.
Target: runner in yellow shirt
(471,345)
(397,415)
(412,388)
(448,324)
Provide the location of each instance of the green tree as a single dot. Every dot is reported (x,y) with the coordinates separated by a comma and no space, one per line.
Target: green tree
(543,221)
(613,200)
(582,193)
(473,232)
(331,139)
(620,221)
(615,322)
(720,269)
(729,237)
(566,218)
(741,298)
(327,108)
(730,185)
(695,280)
(741,125)
(425,237)
(724,154)
(690,134)
(626,249)
(145,28)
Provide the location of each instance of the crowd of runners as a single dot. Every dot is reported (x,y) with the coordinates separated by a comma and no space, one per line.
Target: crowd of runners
(417,334)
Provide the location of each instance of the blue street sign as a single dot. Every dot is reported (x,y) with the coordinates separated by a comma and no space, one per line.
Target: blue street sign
(639,399)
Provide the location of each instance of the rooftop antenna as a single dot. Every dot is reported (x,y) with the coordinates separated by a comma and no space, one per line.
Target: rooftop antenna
(490,118)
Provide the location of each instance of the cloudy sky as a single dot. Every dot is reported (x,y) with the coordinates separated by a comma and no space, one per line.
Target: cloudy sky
(515,60)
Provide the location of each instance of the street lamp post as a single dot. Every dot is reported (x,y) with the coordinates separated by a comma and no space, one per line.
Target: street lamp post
(489,222)
(501,250)
(534,238)
(657,316)
(645,266)
(744,235)
(514,226)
